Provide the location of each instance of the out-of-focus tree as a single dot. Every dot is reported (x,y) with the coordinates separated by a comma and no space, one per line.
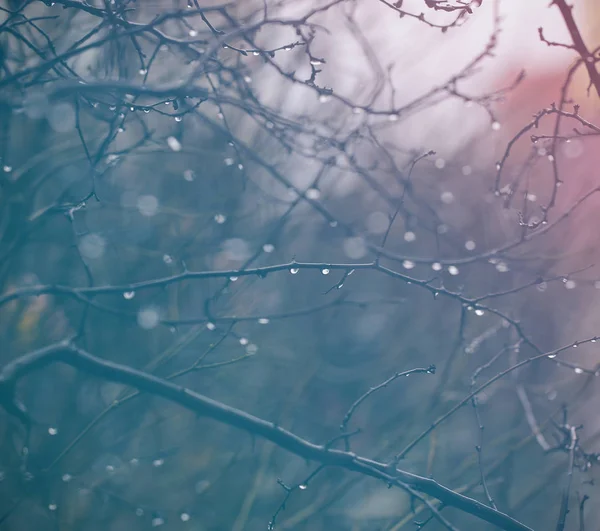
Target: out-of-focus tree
(256,273)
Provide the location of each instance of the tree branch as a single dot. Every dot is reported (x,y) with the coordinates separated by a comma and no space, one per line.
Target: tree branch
(66,352)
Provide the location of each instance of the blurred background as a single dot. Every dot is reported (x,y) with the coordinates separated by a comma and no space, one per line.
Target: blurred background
(331,135)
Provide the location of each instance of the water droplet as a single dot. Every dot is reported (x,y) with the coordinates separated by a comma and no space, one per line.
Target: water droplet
(333,224)
(229,161)
(313,193)
(453,270)
(174,144)
(52,431)
(193,33)
(579,370)
(263,320)
(233,279)
(185,517)
(469,245)
(178,118)
(240,167)
(128,295)
(392,117)
(52,507)
(294,270)
(447,197)
(502,267)
(570,284)
(6,168)
(357,110)
(408,264)
(251,349)
(316,62)
(324,98)
(158,462)
(188,175)
(498,166)
(220,219)
(211,326)
(325,271)
(142,71)
(148,318)
(302,486)
(167,259)
(551,356)
(479,312)
(410,236)
(436,266)
(157,521)
(247,79)
(139,512)
(67,477)
(147,205)
(243,341)
(268,247)
(440,163)
(220,116)
(496,126)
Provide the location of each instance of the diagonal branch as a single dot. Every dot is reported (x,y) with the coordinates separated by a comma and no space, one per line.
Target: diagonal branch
(66,352)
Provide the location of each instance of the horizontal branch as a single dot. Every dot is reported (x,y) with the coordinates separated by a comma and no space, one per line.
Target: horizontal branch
(66,352)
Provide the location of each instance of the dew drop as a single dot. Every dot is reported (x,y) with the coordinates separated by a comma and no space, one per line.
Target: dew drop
(579,370)
(303,486)
(263,320)
(313,193)
(410,236)
(325,271)
(142,71)
(251,349)
(193,33)
(67,477)
(158,462)
(233,279)
(408,264)
(479,312)
(139,512)
(174,144)
(243,341)
(229,161)
(178,118)
(167,259)
(294,270)
(211,326)
(436,266)
(392,118)
(551,356)
(268,247)
(453,270)
(220,219)
(52,431)
(157,521)
(185,517)
(52,507)
(496,126)
(469,245)
(128,295)
(188,175)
